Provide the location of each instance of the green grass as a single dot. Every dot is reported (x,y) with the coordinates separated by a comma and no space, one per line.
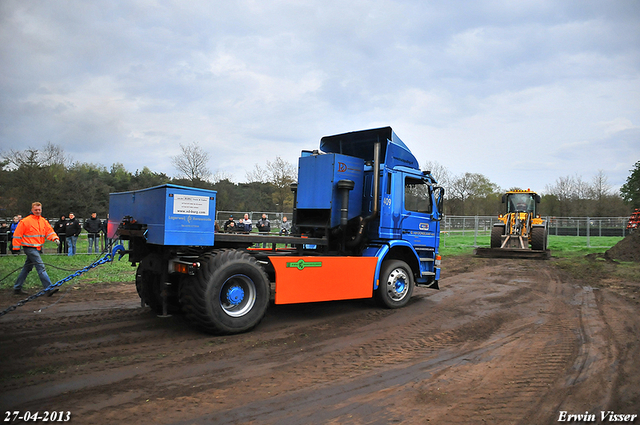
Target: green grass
(569,254)
(560,246)
(60,266)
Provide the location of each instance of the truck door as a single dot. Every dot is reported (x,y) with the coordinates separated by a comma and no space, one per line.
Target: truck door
(418,227)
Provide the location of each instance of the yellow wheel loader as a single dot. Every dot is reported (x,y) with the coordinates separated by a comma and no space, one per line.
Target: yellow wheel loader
(520,231)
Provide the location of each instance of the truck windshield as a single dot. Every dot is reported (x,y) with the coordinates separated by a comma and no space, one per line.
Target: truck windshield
(521,202)
(417,195)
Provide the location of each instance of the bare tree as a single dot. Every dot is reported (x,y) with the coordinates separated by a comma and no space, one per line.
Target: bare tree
(441,174)
(600,187)
(51,155)
(280,174)
(54,155)
(192,162)
(220,175)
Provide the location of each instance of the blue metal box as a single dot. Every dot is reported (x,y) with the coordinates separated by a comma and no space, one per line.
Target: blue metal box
(318,177)
(174,215)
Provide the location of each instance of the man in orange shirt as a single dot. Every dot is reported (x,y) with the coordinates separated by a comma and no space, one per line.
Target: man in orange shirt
(30,235)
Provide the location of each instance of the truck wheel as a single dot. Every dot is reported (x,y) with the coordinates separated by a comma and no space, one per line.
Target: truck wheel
(149,286)
(538,238)
(229,294)
(396,284)
(496,236)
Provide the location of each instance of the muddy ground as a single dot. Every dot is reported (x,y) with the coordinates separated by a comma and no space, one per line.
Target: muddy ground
(503,341)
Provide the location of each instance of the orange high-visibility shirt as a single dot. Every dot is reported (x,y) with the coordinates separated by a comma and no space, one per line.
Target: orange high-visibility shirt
(32,231)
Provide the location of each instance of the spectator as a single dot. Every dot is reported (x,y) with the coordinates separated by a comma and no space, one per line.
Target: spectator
(285,227)
(4,237)
(30,234)
(72,232)
(60,227)
(247,223)
(264,227)
(93,226)
(231,227)
(12,228)
(227,223)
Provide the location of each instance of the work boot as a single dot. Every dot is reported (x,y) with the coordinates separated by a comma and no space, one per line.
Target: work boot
(53,291)
(19,292)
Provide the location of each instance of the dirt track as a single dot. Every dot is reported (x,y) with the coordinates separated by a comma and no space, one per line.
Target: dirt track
(503,341)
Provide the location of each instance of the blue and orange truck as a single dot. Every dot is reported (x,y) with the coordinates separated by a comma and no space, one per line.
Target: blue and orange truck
(366,223)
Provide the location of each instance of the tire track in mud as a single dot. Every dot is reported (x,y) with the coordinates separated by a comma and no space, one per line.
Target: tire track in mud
(368,355)
(510,394)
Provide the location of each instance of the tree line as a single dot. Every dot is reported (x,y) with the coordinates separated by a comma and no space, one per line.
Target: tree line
(62,185)
(568,196)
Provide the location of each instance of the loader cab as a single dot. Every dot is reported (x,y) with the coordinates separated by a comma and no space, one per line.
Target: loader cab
(522,202)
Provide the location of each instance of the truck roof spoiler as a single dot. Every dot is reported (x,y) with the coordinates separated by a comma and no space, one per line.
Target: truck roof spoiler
(360,144)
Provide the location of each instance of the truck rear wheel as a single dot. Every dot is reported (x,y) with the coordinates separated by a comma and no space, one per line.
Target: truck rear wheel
(149,286)
(538,238)
(396,284)
(496,236)
(229,294)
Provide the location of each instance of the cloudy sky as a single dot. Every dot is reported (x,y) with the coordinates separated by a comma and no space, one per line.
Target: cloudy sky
(521,91)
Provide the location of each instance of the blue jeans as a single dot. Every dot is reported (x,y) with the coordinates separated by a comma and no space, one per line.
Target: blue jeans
(94,240)
(71,243)
(33,259)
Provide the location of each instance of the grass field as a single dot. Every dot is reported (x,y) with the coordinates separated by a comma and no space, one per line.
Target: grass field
(559,245)
(61,266)
(569,253)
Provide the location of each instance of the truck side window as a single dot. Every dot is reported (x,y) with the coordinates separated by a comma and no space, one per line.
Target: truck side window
(417,195)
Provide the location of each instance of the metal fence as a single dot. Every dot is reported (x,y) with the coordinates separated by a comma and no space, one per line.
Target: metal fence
(275,218)
(558,226)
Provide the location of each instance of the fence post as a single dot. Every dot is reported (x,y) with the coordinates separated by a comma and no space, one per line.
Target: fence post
(475,234)
(588,233)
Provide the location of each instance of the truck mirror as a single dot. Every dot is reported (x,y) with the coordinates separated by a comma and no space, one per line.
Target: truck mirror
(439,192)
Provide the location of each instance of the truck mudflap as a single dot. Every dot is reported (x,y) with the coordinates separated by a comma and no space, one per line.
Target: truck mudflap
(313,279)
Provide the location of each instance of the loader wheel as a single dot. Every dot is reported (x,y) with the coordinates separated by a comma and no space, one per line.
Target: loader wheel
(396,284)
(229,294)
(539,238)
(496,236)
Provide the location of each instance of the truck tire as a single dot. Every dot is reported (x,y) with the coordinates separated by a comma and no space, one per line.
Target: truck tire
(396,284)
(538,238)
(150,286)
(228,295)
(496,236)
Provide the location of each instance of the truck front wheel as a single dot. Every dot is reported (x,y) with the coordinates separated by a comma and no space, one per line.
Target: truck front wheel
(396,284)
(229,294)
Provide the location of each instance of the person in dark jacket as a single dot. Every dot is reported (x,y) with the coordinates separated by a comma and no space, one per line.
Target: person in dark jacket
(4,237)
(72,232)
(264,227)
(60,227)
(93,226)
